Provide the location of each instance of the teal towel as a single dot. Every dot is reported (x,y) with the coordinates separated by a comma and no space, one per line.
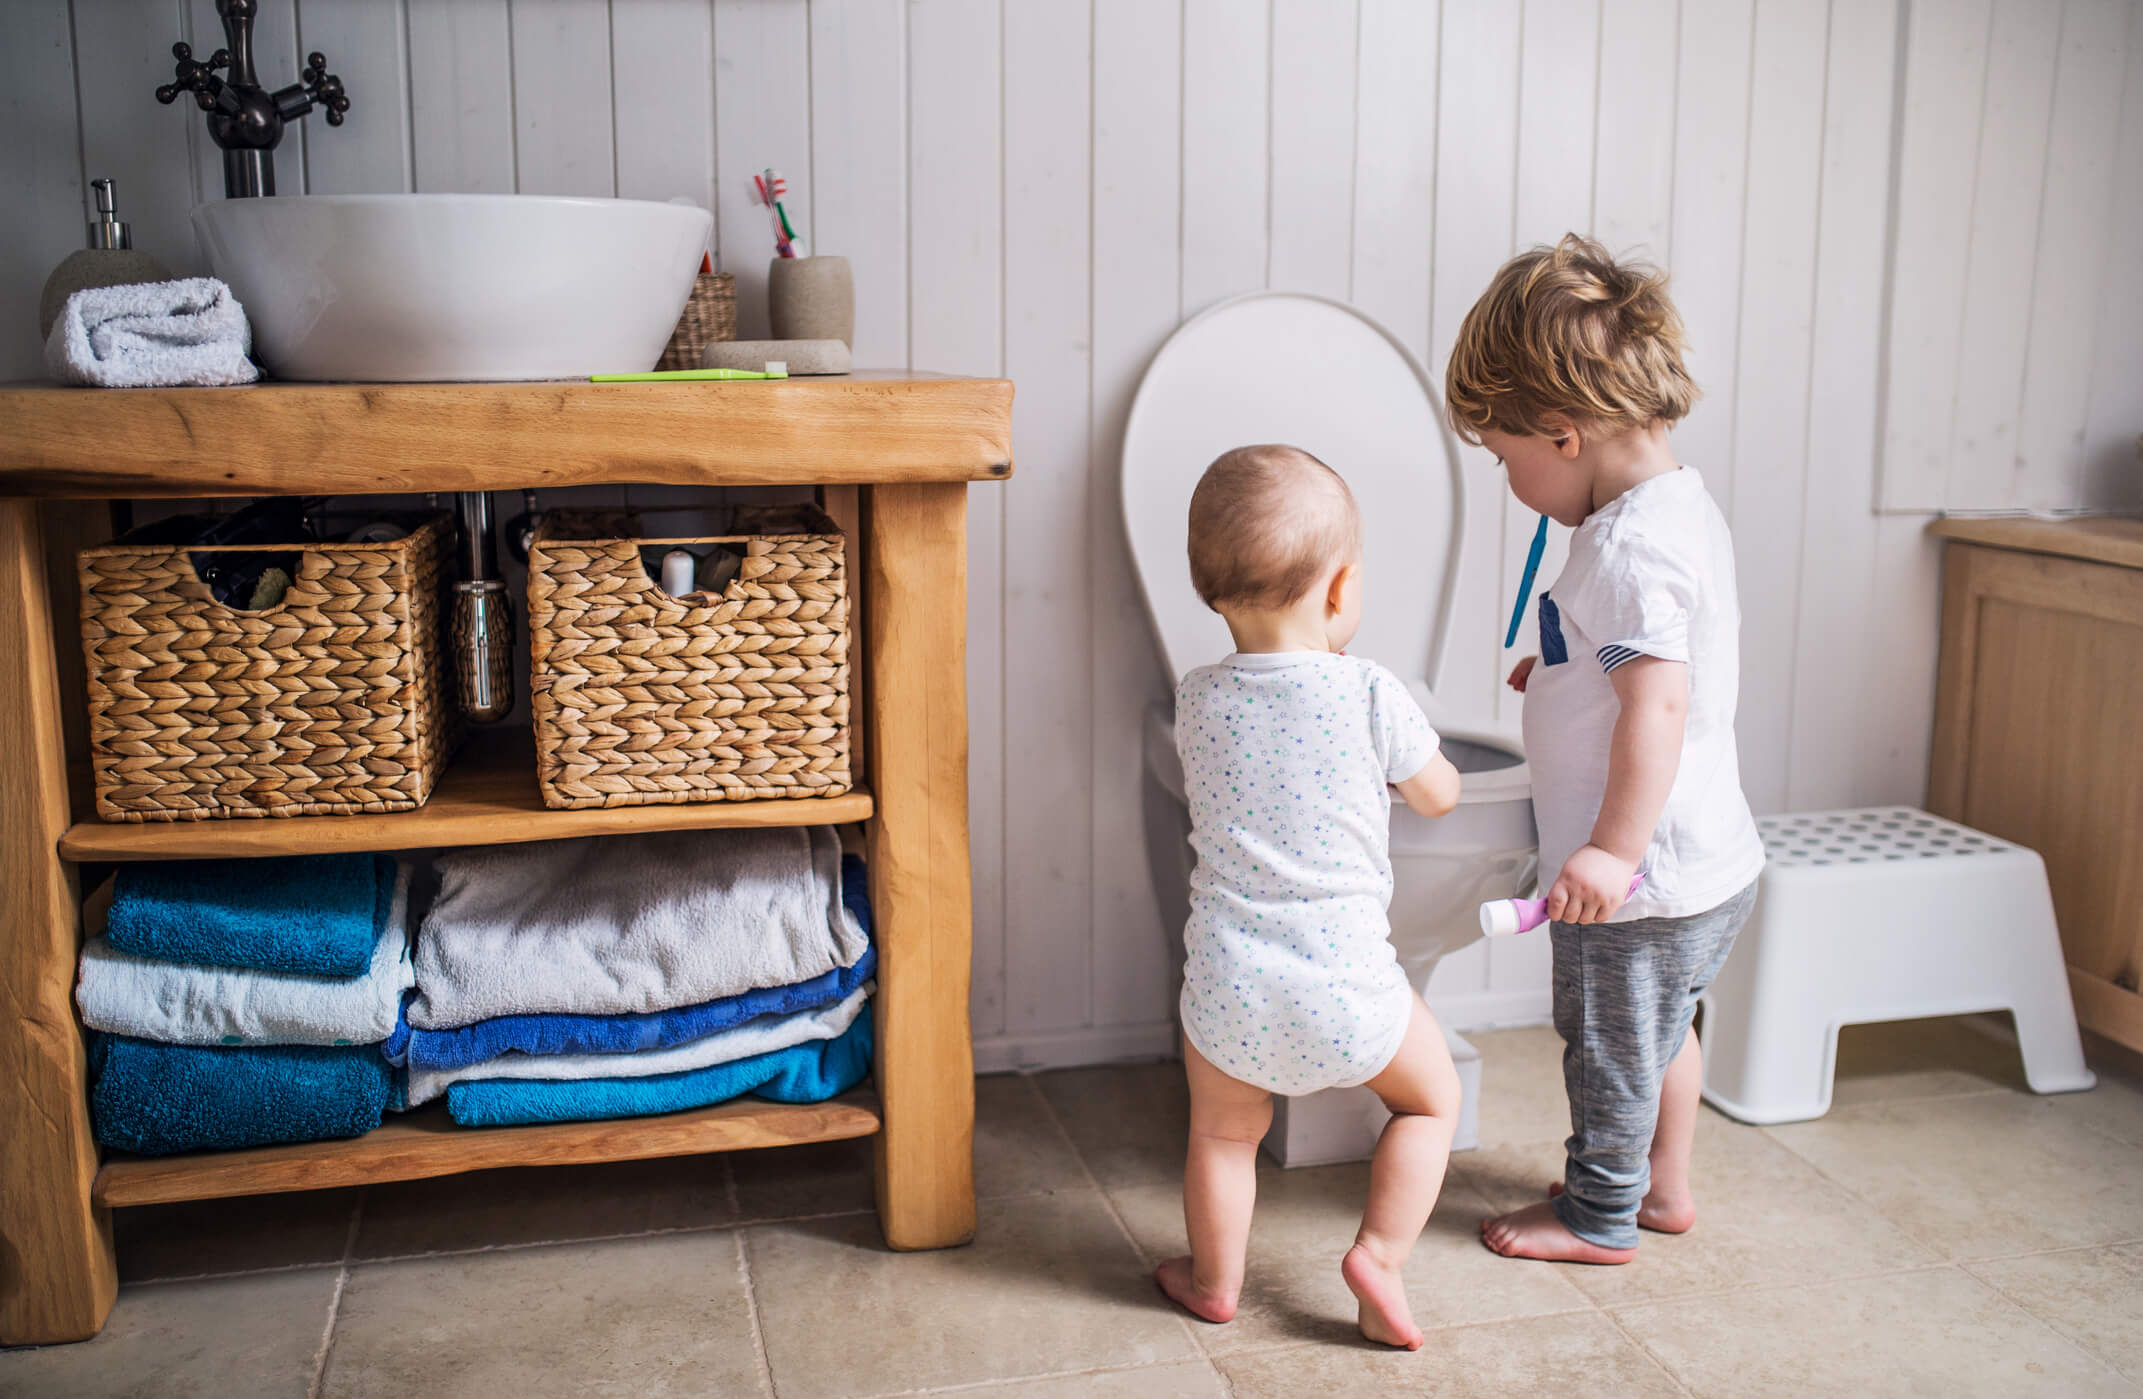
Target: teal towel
(804,1073)
(160,1099)
(317,915)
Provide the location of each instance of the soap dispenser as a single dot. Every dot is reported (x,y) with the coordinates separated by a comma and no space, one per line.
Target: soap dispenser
(108,261)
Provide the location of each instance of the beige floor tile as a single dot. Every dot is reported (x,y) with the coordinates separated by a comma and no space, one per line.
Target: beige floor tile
(234,1338)
(1922,1059)
(819,1178)
(654,1316)
(1018,1149)
(233,1236)
(1189,1379)
(1048,1286)
(1571,1357)
(2114,1108)
(1129,1122)
(1936,1332)
(1522,1098)
(543,1205)
(2092,1296)
(1973,1177)
(1304,1223)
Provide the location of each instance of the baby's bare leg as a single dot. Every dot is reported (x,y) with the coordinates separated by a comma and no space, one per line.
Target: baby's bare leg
(1220,1181)
(1420,1086)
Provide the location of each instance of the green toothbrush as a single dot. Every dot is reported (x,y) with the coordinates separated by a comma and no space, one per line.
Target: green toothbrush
(775,369)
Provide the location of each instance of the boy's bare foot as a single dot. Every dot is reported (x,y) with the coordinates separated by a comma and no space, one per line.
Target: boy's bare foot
(1174,1276)
(1661,1216)
(1536,1232)
(1383,1313)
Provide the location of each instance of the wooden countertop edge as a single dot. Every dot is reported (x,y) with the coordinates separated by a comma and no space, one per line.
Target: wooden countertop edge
(2110,539)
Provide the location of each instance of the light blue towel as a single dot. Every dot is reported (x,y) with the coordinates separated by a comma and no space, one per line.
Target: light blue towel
(804,1073)
(160,1099)
(316,915)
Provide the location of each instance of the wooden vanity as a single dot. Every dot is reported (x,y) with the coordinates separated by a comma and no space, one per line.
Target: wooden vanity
(891,455)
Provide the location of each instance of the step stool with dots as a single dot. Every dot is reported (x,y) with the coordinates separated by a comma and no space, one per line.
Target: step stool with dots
(1886,913)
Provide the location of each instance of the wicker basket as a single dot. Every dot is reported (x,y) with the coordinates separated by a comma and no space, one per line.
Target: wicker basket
(639,697)
(333,701)
(710,314)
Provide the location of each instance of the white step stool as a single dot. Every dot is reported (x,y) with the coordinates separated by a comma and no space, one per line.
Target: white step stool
(1343,1124)
(1887,913)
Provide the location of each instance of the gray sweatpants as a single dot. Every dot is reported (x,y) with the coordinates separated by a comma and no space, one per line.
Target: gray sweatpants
(1625,994)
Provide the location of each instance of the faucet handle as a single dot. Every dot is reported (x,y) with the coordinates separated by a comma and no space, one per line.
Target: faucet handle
(197,78)
(323,88)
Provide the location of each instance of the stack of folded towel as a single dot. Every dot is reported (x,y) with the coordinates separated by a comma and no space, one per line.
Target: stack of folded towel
(619,976)
(244,1002)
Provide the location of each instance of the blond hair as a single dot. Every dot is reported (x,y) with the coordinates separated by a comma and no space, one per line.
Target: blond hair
(1266,522)
(1568,330)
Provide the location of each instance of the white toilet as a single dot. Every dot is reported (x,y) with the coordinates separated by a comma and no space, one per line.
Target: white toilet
(1288,367)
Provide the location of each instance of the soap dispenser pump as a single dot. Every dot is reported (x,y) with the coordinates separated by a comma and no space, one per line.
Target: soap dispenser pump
(108,261)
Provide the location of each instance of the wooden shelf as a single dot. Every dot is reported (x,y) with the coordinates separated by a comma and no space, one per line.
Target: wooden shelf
(428,1143)
(488,796)
(2114,539)
(870,428)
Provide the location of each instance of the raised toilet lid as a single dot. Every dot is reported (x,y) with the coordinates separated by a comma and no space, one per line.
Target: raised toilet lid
(1289,367)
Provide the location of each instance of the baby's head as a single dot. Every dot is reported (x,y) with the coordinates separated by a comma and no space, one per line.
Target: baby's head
(1567,349)
(1276,545)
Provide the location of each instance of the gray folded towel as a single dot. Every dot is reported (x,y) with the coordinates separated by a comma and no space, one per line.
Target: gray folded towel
(191,332)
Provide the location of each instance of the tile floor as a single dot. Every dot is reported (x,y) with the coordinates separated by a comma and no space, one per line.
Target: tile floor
(1940,1232)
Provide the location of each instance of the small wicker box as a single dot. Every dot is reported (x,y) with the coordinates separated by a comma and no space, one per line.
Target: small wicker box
(639,697)
(331,702)
(710,314)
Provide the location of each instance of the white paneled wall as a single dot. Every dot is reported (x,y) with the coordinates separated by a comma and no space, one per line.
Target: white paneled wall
(1907,236)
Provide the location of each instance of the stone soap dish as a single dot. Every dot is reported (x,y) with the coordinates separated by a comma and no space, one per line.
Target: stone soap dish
(802,356)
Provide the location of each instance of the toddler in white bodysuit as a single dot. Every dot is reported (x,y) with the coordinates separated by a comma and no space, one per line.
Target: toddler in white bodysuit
(1290,749)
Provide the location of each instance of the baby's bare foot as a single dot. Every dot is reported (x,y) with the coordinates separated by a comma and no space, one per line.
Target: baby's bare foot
(1536,1232)
(1175,1279)
(1383,1312)
(1658,1213)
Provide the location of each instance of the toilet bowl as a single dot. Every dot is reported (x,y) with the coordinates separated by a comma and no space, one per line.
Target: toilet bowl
(1301,369)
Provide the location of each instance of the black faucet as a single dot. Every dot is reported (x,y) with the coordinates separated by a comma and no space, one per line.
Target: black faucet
(244,118)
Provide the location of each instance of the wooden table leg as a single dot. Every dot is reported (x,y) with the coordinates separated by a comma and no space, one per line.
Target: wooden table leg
(57,1277)
(915,649)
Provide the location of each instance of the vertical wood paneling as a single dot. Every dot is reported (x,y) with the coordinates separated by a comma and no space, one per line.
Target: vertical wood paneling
(1836,667)
(1945,71)
(122,54)
(2069,276)
(2007,187)
(662,60)
(956,285)
(370,152)
(1048,614)
(1633,165)
(1771,427)
(1711,132)
(461,96)
(1897,717)
(1137,189)
(1395,168)
(859,167)
(1227,53)
(561,98)
(42,220)
(2113,436)
(1312,216)
(275,63)
(762,104)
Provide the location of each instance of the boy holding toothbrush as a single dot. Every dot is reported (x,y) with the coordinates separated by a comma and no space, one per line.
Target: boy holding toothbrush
(1569,369)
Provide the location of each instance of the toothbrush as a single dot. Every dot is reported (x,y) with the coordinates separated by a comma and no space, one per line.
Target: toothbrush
(775,369)
(1525,582)
(1503,917)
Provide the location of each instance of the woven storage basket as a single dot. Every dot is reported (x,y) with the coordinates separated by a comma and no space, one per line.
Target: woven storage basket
(710,314)
(333,701)
(639,697)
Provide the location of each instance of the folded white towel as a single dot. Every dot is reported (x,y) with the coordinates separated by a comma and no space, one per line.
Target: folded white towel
(762,1036)
(179,1003)
(616,925)
(152,334)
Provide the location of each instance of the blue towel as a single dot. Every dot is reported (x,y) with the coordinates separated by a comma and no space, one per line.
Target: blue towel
(804,1073)
(626,1034)
(317,915)
(158,1099)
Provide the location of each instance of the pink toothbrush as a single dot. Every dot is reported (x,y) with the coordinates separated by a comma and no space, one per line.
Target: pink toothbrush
(1503,917)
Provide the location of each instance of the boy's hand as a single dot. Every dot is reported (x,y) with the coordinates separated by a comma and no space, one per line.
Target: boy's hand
(1521,673)
(1593,884)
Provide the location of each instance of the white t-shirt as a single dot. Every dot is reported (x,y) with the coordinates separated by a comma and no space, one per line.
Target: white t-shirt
(1651,573)
(1290,981)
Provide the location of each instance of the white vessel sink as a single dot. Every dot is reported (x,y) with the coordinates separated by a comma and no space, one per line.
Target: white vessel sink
(400,287)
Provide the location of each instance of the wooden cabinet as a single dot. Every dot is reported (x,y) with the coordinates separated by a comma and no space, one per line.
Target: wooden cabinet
(2039,729)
